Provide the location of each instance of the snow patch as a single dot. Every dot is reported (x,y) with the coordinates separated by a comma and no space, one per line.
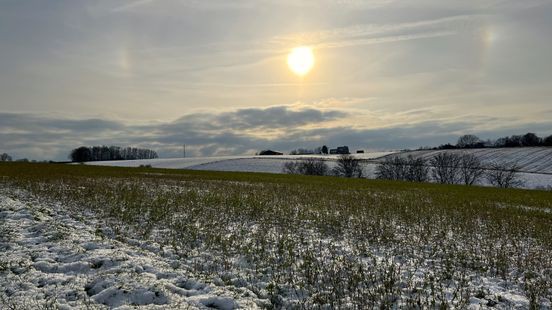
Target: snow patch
(50,259)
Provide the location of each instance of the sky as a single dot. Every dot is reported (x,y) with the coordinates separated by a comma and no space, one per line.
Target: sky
(212,74)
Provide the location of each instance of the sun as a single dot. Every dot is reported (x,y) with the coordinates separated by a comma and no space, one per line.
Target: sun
(301,60)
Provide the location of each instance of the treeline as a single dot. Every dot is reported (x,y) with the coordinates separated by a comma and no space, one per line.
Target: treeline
(449,168)
(304,151)
(472,141)
(7,158)
(101,153)
(346,166)
(444,168)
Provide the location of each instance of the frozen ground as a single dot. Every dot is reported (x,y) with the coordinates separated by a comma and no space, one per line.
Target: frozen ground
(73,241)
(51,259)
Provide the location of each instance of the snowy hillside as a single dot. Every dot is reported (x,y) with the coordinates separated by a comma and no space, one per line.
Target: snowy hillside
(229,163)
(529,159)
(536,163)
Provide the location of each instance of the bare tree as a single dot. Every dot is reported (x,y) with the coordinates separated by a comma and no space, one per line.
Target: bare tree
(398,168)
(5,157)
(471,169)
(531,139)
(392,168)
(314,166)
(302,151)
(467,141)
(504,175)
(308,166)
(417,169)
(291,167)
(446,167)
(547,141)
(348,166)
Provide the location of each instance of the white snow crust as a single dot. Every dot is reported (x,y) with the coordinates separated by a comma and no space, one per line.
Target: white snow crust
(49,258)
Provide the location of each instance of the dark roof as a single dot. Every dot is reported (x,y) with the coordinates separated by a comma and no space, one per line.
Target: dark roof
(270,152)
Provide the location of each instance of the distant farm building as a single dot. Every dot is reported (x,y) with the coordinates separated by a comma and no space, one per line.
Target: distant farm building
(340,150)
(270,152)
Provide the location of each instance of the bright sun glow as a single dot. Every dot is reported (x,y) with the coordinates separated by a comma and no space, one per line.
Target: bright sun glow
(300,60)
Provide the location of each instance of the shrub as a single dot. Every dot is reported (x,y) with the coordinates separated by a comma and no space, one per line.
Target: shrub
(392,168)
(504,175)
(348,166)
(446,168)
(417,169)
(308,166)
(409,169)
(547,141)
(471,169)
(468,141)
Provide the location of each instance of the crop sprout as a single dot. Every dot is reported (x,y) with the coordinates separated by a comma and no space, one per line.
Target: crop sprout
(318,242)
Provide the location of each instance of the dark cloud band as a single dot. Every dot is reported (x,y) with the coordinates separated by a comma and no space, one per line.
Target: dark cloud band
(228,133)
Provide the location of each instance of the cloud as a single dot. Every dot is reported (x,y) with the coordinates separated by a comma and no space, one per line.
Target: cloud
(242,131)
(517,5)
(255,118)
(239,131)
(363,34)
(36,123)
(131,5)
(247,4)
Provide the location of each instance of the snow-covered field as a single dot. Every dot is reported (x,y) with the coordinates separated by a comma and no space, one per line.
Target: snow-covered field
(51,258)
(55,259)
(229,163)
(83,237)
(529,159)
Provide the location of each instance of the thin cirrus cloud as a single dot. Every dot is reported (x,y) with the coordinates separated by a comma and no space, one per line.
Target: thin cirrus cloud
(383,33)
(248,4)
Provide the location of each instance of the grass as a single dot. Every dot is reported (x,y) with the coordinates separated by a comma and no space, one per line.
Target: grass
(308,242)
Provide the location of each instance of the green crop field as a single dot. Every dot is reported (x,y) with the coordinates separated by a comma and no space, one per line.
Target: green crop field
(317,242)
